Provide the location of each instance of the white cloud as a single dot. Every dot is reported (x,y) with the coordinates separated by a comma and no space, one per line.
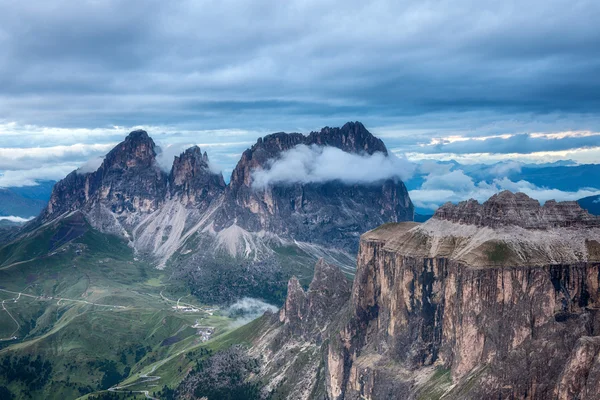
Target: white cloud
(454,180)
(33,157)
(504,168)
(248,309)
(315,164)
(91,165)
(18,220)
(455,186)
(30,177)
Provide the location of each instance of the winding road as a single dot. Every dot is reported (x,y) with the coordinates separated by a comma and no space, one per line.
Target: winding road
(12,335)
(144,379)
(42,298)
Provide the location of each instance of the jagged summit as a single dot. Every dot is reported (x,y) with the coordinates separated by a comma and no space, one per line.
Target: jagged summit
(192,179)
(137,150)
(138,134)
(353,137)
(518,209)
(308,312)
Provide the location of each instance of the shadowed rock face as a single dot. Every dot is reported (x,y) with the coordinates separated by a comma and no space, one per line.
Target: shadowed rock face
(291,343)
(308,314)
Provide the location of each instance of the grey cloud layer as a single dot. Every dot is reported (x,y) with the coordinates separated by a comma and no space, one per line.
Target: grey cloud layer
(220,74)
(522,143)
(283,65)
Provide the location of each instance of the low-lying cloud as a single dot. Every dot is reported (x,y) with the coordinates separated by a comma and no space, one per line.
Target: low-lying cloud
(18,220)
(91,165)
(248,309)
(455,186)
(317,164)
(30,177)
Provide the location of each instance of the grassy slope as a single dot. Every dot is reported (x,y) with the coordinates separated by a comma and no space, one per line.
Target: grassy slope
(119,331)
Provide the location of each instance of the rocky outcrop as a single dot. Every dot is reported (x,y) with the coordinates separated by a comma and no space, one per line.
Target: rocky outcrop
(580,378)
(466,310)
(308,314)
(332,213)
(192,180)
(517,209)
(127,181)
(290,344)
(470,293)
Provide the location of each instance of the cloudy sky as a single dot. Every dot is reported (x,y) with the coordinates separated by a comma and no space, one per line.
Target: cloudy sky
(470,80)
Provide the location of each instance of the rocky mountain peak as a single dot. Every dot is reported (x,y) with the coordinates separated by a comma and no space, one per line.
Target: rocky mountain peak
(192,179)
(188,165)
(353,137)
(335,211)
(137,150)
(517,209)
(128,180)
(294,309)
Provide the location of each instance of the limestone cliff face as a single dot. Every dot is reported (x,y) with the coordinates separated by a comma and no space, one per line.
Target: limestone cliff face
(580,378)
(464,307)
(502,329)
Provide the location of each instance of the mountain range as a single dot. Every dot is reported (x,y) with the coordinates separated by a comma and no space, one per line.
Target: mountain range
(189,217)
(25,202)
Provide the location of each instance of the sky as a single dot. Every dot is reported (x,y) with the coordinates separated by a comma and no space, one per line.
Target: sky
(469,80)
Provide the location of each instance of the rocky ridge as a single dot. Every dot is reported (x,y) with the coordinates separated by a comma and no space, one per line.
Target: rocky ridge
(423,322)
(189,216)
(518,209)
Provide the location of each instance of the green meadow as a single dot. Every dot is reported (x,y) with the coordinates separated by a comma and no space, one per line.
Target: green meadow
(89,315)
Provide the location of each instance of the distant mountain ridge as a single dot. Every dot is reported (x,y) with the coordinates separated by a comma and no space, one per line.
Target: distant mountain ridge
(591,204)
(25,202)
(188,216)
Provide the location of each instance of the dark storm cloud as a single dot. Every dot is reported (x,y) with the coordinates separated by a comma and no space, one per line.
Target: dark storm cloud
(85,63)
(415,72)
